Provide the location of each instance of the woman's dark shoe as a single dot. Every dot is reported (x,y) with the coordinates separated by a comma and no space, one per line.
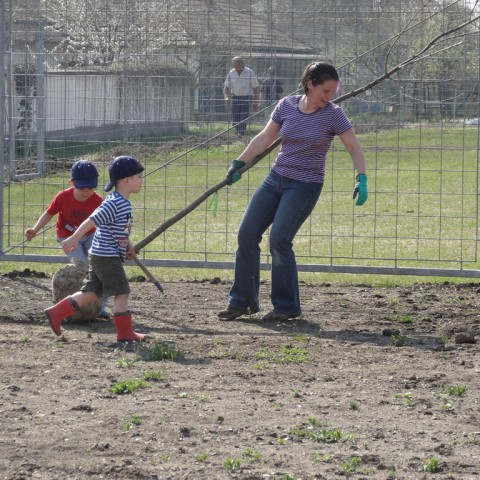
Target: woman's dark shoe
(274,316)
(231,313)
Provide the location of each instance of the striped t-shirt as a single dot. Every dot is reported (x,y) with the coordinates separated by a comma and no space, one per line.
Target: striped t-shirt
(114,219)
(306,138)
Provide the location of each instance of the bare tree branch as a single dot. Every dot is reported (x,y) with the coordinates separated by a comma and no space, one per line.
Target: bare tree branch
(414,58)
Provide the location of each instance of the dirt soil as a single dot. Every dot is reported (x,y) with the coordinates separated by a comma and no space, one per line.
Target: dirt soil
(370,383)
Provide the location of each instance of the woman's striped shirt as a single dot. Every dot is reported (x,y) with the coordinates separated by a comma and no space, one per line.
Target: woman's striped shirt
(306,138)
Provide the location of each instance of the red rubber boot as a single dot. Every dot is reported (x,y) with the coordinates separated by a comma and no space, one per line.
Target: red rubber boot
(59,312)
(125,332)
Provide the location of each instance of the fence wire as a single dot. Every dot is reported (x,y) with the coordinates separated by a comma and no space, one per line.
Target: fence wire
(83,79)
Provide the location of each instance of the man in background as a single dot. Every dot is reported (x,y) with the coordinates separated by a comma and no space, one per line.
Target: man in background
(241,86)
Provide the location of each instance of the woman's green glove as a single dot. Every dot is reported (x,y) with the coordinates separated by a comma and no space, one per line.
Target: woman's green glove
(360,189)
(233,175)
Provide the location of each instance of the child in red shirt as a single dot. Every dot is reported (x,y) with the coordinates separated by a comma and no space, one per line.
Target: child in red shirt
(73,206)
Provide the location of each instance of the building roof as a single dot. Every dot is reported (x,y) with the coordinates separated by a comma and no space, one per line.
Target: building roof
(226,25)
(222,23)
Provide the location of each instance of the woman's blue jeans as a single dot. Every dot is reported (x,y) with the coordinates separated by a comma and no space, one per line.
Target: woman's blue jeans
(284,204)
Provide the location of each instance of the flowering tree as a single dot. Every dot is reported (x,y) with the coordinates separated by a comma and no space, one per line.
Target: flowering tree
(101,32)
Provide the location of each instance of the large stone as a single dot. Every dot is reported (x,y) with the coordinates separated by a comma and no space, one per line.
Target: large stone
(67,281)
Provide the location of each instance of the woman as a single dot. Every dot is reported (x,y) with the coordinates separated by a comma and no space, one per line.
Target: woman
(307,125)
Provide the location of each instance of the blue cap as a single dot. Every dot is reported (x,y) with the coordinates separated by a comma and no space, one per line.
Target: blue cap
(122,167)
(84,174)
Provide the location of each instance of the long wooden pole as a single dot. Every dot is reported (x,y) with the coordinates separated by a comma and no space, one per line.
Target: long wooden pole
(172,220)
(147,272)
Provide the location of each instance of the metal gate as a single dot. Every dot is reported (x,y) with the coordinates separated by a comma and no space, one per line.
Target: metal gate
(84,80)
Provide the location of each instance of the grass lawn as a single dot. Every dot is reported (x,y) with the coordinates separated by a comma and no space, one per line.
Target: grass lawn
(422,209)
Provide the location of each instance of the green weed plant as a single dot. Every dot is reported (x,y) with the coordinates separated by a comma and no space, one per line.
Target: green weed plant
(134,420)
(127,386)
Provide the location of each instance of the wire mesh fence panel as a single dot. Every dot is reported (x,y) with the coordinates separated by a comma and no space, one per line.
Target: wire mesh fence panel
(89,80)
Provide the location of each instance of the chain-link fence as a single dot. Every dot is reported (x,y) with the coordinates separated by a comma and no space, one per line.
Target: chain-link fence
(87,79)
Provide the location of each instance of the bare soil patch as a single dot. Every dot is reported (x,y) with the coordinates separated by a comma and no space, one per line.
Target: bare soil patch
(370,383)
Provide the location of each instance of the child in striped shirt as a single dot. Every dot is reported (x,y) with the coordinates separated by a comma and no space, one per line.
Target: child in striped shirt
(111,247)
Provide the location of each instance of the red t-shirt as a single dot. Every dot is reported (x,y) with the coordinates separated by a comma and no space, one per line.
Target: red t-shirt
(71,212)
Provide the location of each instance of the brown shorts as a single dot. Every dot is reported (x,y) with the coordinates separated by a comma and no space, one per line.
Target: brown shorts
(106,276)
